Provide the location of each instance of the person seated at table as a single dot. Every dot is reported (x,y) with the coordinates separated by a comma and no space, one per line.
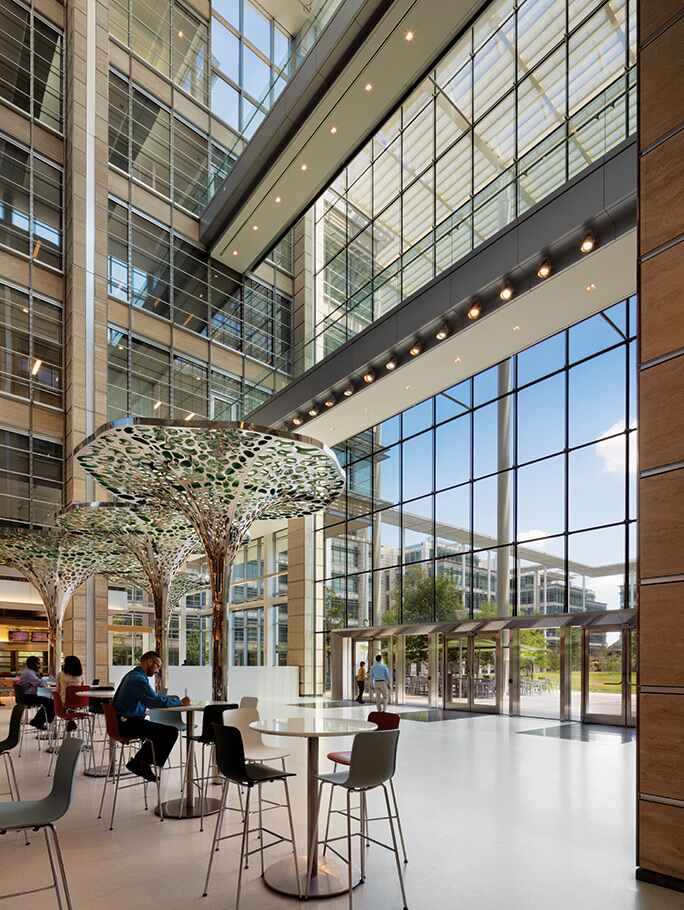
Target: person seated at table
(132,698)
(71,674)
(29,682)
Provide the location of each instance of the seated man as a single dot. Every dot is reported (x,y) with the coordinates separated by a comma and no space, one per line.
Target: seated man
(28,683)
(133,696)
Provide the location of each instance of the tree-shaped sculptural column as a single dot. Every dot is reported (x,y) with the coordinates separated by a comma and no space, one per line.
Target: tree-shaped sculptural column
(158,539)
(56,562)
(222,476)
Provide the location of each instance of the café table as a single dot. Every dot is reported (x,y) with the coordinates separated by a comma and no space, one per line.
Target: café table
(100,770)
(189,806)
(329,877)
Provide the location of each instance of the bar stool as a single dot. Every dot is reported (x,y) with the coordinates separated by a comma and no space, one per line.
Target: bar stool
(231,761)
(372,765)
(383,721)
(211,716)
(10,742)
(25,720)
(117,738)
(43,813)
(63,715)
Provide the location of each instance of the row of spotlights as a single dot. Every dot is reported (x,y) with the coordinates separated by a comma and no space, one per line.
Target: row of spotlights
(475,311)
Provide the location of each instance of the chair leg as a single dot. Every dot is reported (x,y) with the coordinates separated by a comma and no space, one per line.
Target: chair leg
(158,776)
(362,835)
(104,787)
(60,862)
(53,869)
(202,793)
(22,730)
(396,848)
(116,788)
(396,815)
(217,834)
(327,822)
(292,835)
(350,858)
(243,848)
(261,830)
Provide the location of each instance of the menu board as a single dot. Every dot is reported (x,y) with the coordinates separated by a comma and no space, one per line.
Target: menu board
(18,635)
(39,636)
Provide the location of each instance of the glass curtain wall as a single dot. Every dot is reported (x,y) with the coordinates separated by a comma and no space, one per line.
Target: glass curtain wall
(526,98)
(510,493)
(152,268)
(31,64)
(31,479)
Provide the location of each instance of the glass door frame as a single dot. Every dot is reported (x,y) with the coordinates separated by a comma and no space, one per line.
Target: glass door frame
(624,717)
(472,703)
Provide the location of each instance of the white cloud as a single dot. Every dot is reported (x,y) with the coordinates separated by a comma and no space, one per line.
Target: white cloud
(611,451)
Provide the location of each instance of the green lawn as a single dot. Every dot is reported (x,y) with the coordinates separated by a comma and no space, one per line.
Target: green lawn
(605,681)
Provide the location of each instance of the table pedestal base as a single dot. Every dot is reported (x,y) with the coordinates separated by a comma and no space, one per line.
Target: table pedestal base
(182,808)
(331,881)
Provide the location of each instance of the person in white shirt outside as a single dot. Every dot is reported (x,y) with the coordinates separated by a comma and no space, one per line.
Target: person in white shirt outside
(381,682)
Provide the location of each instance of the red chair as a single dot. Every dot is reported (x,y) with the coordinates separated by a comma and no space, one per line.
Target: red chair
(63,716)
(383,720)
(117,738)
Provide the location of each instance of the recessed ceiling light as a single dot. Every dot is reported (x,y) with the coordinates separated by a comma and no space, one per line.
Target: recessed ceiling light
(235,252)
(255,227)
(391,363)
(313,412)
(415,348)
(329,402)
(348,392)
(457,359)
(368,377)
(474,311)
(407,387)
(36,366)
(544,269)
(588,243)
(590,288)
(506,291)
(516,328)
(409,35)
(442,332)
(303,167)
(333,130)
(24,309)
(278,199)
(297,421)
(369,86)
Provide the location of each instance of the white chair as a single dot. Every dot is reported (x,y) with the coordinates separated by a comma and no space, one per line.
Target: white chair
(255,748)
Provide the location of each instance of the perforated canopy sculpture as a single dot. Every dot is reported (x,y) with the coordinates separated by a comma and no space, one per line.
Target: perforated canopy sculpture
(157,539)
(222,476)
(56,562)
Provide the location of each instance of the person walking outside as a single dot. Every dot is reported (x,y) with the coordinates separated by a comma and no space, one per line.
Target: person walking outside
(361,681)
(380,681)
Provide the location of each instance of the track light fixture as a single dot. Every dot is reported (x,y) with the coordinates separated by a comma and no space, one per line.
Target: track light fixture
(369,376)
(313,412)
(416,348)
(349,391)
(588,243)
(391,363)
(297,421)
(506,291)
(544,269)
(329,402)
(442,332)
(475,311)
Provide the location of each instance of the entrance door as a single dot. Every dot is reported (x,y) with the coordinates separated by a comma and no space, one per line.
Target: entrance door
(605,676)
(472,673)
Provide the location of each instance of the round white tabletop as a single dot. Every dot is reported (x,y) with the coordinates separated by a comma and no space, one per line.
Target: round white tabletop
(313,727)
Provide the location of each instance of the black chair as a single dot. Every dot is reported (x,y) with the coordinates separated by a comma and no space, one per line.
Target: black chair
(230,759)
(10,742)
(211,717)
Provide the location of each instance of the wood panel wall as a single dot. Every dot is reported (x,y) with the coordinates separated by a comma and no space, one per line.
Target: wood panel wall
(660,843)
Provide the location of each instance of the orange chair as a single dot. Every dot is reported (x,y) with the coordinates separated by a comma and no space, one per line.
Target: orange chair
(117,738)
(384,720)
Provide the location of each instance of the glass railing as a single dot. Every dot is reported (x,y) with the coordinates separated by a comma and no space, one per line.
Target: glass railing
(601,125)
(300,48)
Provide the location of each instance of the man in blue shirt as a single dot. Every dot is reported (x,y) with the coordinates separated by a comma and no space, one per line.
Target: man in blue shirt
(380,681)
(132,699)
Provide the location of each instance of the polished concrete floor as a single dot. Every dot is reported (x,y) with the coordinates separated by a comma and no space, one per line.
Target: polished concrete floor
(494,820)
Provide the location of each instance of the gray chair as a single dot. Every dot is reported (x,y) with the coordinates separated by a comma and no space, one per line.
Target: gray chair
(372,766)
(43,813)
(249,701)
(10,742)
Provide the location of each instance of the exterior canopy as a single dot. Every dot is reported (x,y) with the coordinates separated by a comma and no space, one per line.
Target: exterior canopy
(222,476)
(157,539)
(56,562)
